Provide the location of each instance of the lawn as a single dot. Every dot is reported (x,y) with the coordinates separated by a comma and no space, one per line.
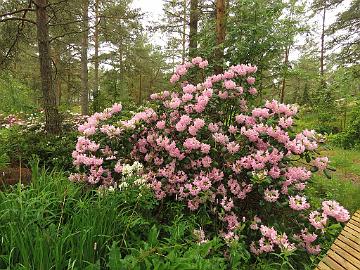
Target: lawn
(344,185)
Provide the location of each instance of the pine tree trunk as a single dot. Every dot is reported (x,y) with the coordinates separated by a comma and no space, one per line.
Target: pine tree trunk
(184,33)
(322,50)
(57,64)
(194,18)
(52,117)
(286,61)
(96,58)
(220,36)
(84,61)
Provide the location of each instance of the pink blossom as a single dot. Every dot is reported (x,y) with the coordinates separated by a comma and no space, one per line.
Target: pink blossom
(232,221)
(229,84)
(199,123)
(197,60)
(206,161)
(213,127)
(227,204)
(232,147)
(187,97)
(232,129)
(205,148)
(252,91)
(220,138)
(192,144)
(181,70)
(174,78)
(321,163)
(116,108)
(189,89)
(335,210)
(207,84)
(250,80)
(203,64)
(318,220)
(223,95)
(160,124)
(271,195)
(175,103)
(118,167)
(265,245)
(298,203)
(313,249)
(193,205)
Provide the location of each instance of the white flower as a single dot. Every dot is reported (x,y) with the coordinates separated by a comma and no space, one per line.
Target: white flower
(123,185)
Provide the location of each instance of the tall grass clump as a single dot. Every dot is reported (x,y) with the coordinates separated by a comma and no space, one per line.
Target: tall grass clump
(54,224)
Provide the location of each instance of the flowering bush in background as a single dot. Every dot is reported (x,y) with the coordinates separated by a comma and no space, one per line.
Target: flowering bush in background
(207,145)
(23,136)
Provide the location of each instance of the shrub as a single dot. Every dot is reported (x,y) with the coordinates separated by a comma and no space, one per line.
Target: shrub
(208,147)
(350,138)
(22,139)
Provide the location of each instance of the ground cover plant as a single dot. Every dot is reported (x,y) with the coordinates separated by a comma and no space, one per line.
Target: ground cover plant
(205,144)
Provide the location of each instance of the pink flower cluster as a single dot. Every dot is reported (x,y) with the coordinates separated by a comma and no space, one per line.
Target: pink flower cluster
(269,240)
(321,163)
(207,145)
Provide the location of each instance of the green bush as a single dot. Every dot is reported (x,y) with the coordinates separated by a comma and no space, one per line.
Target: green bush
(52,150)
(20,142)
(350,137)
(4,160)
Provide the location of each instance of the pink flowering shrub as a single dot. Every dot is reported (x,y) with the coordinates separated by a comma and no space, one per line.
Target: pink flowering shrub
(206,145)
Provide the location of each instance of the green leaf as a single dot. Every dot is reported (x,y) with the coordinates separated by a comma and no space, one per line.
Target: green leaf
(327,174)
(115,261)
(153,236)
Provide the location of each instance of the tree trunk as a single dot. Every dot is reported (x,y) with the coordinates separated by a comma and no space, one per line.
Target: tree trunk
(57,64)
(84,61)
(286,62)
(140,88)
(220,36)
(322,50)
(96,58)
(52,117)
(184,33)
(194,18)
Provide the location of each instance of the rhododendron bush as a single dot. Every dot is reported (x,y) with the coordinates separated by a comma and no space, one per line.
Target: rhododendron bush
(206,144)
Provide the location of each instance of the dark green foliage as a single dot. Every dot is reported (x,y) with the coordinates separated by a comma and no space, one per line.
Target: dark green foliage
(4,161)
(350,137)
(21,144)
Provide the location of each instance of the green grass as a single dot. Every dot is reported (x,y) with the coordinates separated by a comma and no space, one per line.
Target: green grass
(344,185)
(55,224)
